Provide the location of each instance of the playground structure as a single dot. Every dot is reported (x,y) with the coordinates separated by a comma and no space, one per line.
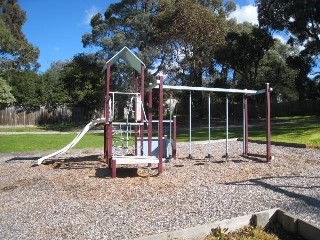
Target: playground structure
(140,157)
(133,61)
(246,93)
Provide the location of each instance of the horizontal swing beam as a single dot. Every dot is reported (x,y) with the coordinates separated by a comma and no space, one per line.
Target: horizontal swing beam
(124,93)
(206,89)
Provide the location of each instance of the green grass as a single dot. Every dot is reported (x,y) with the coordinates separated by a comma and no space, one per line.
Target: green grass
(58,127)
(37,142)
(295,118)
(297,130)
(306,133)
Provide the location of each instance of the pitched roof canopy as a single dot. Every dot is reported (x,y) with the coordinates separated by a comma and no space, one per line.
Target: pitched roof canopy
(129,57)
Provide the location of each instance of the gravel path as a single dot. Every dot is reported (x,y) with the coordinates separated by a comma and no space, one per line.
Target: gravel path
(75,198)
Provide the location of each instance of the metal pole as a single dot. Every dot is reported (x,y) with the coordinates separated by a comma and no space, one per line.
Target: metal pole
(209,126)
(227,125)
(190,125)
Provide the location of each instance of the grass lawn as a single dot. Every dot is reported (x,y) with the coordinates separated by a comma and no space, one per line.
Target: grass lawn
(36,142)
(61,128)
(294,129)
(299,129)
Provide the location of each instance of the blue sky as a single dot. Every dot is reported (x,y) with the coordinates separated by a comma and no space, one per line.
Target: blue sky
(56,26)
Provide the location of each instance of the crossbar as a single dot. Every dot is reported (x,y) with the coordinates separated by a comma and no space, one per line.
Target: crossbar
(125,93)
(207,89)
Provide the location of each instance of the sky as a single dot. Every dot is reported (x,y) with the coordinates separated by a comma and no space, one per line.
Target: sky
(56,27)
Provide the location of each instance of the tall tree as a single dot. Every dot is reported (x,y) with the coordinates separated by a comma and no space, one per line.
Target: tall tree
(127,23)
(83,80)
(173,37)
(6,97)
(27,89)
(299,17)
(221,72)
(303,65)
(189,32)
(15,51)
(54,91)
(162,32)
(275,69)
(243,52)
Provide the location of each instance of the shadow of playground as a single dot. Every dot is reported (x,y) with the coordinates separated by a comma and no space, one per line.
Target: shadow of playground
(283,189)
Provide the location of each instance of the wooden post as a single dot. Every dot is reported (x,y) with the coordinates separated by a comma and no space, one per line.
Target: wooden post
(150,124)
(108,124)
(268,122)
(136,127)
(142,104)
(160,135)
(246,109)
(174,148)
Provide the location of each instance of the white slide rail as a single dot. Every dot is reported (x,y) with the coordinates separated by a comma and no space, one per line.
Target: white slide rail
(74,141)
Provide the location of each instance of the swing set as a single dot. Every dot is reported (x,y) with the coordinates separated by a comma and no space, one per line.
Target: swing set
(246,94)
(141,119)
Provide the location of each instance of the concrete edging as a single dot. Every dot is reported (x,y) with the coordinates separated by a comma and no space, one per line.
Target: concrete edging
(201,231)
(289,222)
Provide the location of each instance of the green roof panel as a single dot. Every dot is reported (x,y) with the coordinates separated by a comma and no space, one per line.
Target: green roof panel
(129,57)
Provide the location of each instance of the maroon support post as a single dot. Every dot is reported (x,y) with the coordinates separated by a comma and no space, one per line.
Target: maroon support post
(246,136)
(108,126)
(150,124)
(114,168)
(142,104)
(136,127)
(160,135)
(107,113)
(174,148)
(268,122)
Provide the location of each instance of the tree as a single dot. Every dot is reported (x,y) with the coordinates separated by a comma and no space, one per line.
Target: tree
(300,18)
(175,38)
(161,32)
(303,65)
(54,91)
(15,51)
(127,23)
(275,69)
(83,81)
(189,32)
(243,52)
(6,96)
(222,73)
(27,89)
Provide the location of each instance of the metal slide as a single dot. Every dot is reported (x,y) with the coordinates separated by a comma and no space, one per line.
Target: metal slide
(74,141)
